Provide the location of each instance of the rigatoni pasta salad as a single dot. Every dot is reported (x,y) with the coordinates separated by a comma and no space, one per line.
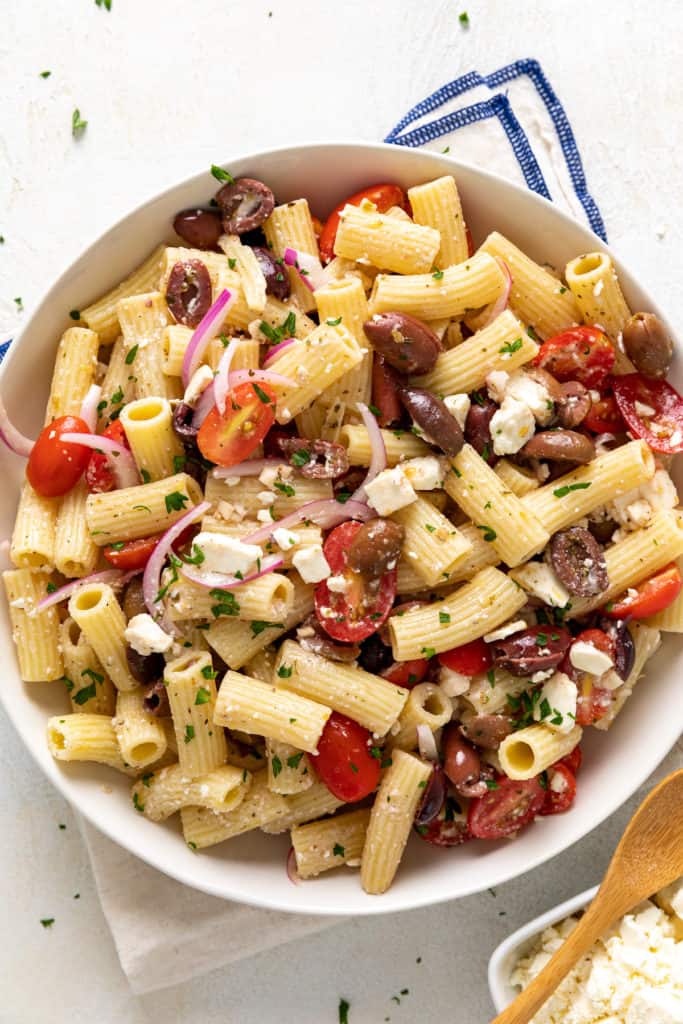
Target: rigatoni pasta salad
(348,529)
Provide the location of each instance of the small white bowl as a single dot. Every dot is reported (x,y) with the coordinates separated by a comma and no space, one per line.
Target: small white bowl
(511,950)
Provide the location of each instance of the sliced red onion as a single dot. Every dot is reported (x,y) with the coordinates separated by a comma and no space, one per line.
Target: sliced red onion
(427,743)
(252,467)
(205,403)
(496,308)
(221,384)
(309,268)
(151,580)
(120,459)
(208,328)
(110,576)
(223,581)
(378,458)
(326,513)
(276,349)
(245,376)
(13,438)
(89,406)
(291,867)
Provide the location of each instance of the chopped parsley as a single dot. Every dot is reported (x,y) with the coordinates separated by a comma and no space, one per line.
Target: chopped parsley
(277,334)
(276,765)
(430,528)
(203,695)
(374,410)
(511,346)
(221,175)
(562,492)
(78,125)
(295,760)
(300,457)
(51,587)
(178,463)
(189,733)
(103,3)
(258,626)
(338,850)
(136,802)
(47,922)
(353,767)
(144,508)
(491,676)
(437,275)
(342,497)
(75,314)
(227,603)
(130,356)
(444,617)
(285,489)
(175,502)
(146,477)
(196,558)
(334,323)
(263,395)
(284,671)
(464,19)
(85,694)
(45,74)
(428,652)
(146,779)
(232,262)
(19,303)
(489,533)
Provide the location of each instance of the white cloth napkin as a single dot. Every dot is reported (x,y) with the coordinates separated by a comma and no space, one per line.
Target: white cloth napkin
(509,122)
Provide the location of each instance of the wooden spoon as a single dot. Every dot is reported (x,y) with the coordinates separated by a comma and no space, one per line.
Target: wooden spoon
(648,857)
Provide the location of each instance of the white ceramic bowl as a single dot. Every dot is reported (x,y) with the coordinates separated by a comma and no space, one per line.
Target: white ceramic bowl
(505,957)
(252,868)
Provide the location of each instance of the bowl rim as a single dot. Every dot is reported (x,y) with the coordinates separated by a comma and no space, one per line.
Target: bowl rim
(103,824)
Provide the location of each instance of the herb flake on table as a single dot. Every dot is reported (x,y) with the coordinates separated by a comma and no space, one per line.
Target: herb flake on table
(45,74)
(344,1007)
(103,3)
(78,125)
(464,19)
(47,922)
(19,303)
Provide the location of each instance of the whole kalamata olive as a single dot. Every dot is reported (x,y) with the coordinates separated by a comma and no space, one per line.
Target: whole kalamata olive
(277,279)
(433,797)
(574,405)
(624,648)
(536,649)
(579,562)
(432,416)
(188,292)
(244,204)
(145,668)
(560,446)
(376,547)
(478,427)
(320,643)
(155,700)
(201,229)
(460,760)
(319,460)
(182,424)
(407,344)
(487,731)
(385,392)
(648,345)
(375,655)
(133,600)
(550,383)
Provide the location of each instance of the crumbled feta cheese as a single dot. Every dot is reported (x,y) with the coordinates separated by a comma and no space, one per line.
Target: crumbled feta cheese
(425,473)
(200,380)
(266,497)
(542,675)
(660,491)
(458,406)
(225,509)
(285,539)
(264,515)
(338,584)
(507,629)
(588,658)
(226,554)
(389,491)
(511,427)
(644,410)
(557,706)
(146,636)
(453,683)
(538,579)
(531,393)
(269,475)
(311,564)
(496,383)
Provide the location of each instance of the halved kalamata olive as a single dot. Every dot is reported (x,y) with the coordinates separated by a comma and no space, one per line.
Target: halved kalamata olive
(460,760)
(345,486)
(432,416)
(560,446)
(624,648)
(155,700)
(478,427)
(182,424)
(144,668)
(574,405)
(201,229)
(376,547)
(188,292)
(319,460)
(534,650)
(312,636)
(406,343)
(579,561)
(385,392)
(375,655)
(648,345)
(433,797)
(487,731)
(244,204)
(133,599)
(277,279)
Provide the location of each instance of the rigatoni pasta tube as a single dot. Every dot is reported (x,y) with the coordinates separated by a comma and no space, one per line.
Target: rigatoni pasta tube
(291,225)
(671,619)
(91,691)
(398,444)
(143,319)
(133,512)
(192,695)
(432,544)
(595,286)
(391,820)
(148,423)
(293,492)
(118,385)
(141,736)
(519,481)
(98,613)
(388,242)
(437,204)
(174,341)
(35,634)
(255,707)
(322,845)
(269,597)
(344,301)
(76,553)
(529,751)
(243,259)
(74,372)
(301,807)
(289,769)
(204,827)
(646,641)
(487,695)
(427,705)
(85,738)
(33,536)
(488,600)
(512,529)
(102,316)
(449,293)
(160,794)
(368,699)
(503,345)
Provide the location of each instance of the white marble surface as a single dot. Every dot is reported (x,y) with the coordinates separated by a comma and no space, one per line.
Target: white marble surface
(168,87)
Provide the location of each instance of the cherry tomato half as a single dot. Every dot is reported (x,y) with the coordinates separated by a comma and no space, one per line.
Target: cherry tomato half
(249,415)
(448,828)
(357,614)
(406,673)
(99,475)
(133,554)
(593,702)
(604,416)
(559,800)
(581,353)
(469,660)
(507,809)
(572,760)
(383,196)
(662,426)
(651,597)
(54,466)
(344,762)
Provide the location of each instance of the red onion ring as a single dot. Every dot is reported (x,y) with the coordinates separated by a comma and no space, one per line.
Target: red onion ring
(205,403)
(151,580)
(309,268)
(223,581)
(427,743)
(272,352)
(500,304)
(13,438)
(120,459)
(221,384)
(378,459)
(326,513)
(110,576)
(252,467)
(208,328)
(89,406)
(291,867)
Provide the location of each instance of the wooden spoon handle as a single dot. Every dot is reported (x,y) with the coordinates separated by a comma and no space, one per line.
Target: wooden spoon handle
(590,927)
